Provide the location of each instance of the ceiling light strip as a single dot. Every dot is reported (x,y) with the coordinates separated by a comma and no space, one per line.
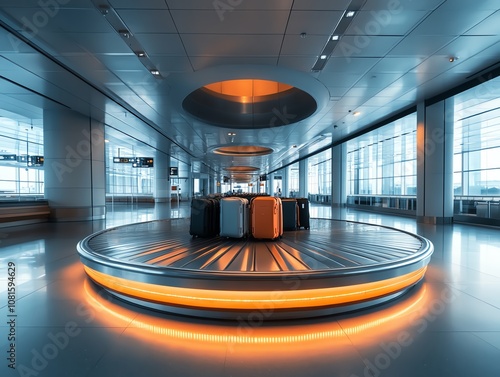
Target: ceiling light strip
(338,32)
(116,22)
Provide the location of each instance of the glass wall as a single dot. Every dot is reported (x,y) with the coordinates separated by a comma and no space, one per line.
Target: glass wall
(293,180)
(476,151)
(123,179)
(476,162)
(319,172)
(384,161)
(21,160)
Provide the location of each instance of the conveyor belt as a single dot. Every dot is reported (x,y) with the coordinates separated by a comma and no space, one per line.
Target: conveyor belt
(194,275)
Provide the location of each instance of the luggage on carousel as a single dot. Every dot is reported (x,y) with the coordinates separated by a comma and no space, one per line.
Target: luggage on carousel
(303,212)
(204,218)
(290,214)
(266,217)
(234,217)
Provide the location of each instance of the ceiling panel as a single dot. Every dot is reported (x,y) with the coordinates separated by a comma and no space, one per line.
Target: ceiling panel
(310,45)
(134,4)
(395,65)
(465,47)
(148,21)
(313,22)
(202,62)
(321,4)
(365,46)
(380,80)
(168,64)
(237,22)
(420,45)
(470,5)
(385,23)
(100,43)
(488,26)
(232,45)
(340,64)
(401,5)
(120,62)
(82,4)
(161,44)
(226,7)
(340,79)
(300,63)
(64,20)
(450,22)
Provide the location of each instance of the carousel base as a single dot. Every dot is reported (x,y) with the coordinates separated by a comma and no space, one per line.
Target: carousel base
(334,267)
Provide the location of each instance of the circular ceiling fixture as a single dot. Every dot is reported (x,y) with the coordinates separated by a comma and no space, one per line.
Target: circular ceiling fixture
(241,169)
(243,150)
(241,178)
(249,103)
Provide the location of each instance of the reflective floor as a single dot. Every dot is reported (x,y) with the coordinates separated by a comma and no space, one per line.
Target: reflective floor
(60,324)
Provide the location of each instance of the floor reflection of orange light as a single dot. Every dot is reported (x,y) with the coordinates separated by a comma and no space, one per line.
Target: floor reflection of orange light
(370,325)
(252,300)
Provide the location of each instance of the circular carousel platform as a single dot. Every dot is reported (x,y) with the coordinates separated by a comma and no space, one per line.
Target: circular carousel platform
(336,266)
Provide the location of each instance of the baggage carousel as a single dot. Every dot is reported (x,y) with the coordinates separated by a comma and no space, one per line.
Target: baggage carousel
(333,267)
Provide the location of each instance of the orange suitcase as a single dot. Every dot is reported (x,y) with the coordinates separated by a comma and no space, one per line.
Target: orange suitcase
(266,217)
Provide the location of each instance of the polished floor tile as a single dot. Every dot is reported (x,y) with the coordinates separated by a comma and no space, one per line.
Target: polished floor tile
(447,325)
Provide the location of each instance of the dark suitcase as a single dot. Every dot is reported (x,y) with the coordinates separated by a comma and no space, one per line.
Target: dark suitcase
(303,212)
(203,217)
(290,214)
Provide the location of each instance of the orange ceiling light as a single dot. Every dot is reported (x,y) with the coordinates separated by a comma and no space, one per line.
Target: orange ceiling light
(241,169)
(247,90)
(252,300)
(243,150)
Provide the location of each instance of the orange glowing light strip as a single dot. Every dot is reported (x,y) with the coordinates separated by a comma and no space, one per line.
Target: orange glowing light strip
(255,339)
(251,300)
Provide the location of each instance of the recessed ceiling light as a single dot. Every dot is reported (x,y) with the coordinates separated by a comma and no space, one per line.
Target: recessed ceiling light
(350,14)
(356,113)
(140,54)
(335,37)
(155,72)
(104,9)
(124,33)
(106,140)
(323,57)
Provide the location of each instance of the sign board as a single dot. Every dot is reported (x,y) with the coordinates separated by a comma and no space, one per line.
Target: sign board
(263,178)
(35,161)
(174,170)
(278,177)
(143,162)
(123,160)
(8,157)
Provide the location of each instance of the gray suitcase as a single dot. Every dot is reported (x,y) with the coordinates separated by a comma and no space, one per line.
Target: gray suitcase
(234,218)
